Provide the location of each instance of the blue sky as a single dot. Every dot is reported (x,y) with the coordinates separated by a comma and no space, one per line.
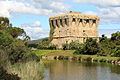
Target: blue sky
(33,15)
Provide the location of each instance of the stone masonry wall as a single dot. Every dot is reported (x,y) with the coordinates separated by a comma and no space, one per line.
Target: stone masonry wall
(73,26)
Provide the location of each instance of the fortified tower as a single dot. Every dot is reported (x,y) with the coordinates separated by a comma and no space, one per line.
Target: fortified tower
(73,26)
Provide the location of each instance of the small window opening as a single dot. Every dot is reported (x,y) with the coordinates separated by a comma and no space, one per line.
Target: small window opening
(73,19)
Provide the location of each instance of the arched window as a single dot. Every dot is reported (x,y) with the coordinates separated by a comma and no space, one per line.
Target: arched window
(94,21)
(65,21)
(73,20)
(80,20)
(61,22)
(56,23)
(87,21)
(52,24)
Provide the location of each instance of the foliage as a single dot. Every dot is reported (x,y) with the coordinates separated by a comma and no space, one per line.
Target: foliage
(44,44)
(28,71)
(13,49)
(15,31)
(6,76)
(48,46)
(89,47)
(71,46)
(110,47)
(4,22)
(115,36)
(105,46)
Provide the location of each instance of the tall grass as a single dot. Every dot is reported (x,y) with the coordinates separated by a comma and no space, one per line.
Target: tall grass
(28,71)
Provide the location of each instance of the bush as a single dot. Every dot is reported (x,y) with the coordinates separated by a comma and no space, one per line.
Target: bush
(47,46)
(74,58)
(74,45)
(65,46)
(60,57)
(66,57)
(71,46)
(55,57)
(5,76)
(102,60)
(90,47)
(86,58)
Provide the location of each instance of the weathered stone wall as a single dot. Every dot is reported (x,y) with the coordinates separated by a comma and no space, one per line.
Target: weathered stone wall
(71,27)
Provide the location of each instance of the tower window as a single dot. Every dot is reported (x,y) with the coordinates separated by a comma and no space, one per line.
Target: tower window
(73,19)
(83,30)
(52,23)
(61,22)
(87,21)
(57,23)
(66,21)
(94,21)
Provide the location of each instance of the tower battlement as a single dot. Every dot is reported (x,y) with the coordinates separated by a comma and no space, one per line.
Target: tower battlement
(73,26)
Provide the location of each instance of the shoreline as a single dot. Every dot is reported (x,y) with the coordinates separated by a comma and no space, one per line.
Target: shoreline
(68,55)
(82,59)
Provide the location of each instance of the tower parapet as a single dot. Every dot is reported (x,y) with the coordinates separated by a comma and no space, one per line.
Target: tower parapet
(73,26)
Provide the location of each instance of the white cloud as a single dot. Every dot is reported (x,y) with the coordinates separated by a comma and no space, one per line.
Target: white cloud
(39,7)
(35,31)
(37,23)
(102,3)
(109,14)
(107,32)
(108,9)
(90,13)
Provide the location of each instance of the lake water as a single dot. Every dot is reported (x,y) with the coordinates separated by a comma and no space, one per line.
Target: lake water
(72,70)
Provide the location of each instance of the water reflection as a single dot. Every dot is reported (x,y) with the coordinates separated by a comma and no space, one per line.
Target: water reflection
(71,70)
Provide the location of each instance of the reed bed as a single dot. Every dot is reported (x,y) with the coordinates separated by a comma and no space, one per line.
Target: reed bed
(28,71)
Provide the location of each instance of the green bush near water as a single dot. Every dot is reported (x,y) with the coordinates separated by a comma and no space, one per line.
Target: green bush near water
(60,57)
(71,46)
(55,57)
(86,58)
(66,57)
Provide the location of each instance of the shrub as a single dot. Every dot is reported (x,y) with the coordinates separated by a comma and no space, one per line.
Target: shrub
(74,58)
(60,57)
(109,60)
(27,71)
(95,59)
(6,76)
(55,57)
(86,58)
(65,46)
(79,58)
(66,57)
(90,47)
(47,46)
(74,45)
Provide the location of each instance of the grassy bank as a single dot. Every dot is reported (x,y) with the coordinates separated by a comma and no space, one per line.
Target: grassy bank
(27,71)
(54,52)
(68,54)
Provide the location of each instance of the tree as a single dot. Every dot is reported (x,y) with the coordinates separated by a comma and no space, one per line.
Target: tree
(90,47)
(115,36)
(15,31)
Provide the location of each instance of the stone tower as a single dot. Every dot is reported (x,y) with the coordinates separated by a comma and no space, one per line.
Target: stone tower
(73,26)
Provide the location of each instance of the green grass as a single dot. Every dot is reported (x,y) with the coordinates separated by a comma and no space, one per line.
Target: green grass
(70,53)
(53,52)
(44,52)
(27,71)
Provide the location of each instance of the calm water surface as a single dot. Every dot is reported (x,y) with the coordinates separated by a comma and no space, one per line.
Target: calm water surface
(72,70)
